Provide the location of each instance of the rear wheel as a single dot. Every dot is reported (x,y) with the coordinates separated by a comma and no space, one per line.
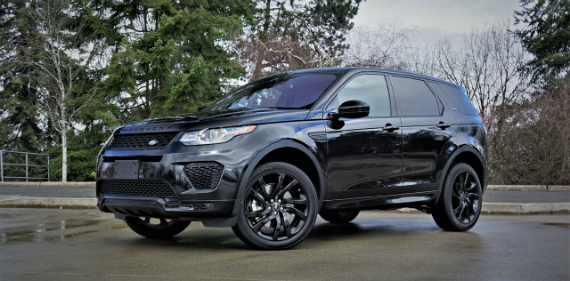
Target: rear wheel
(339,216)
(460,204)
(156,228)
(279,208)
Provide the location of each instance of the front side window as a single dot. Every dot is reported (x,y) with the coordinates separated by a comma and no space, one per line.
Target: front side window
(413,97)
(290,91)
(371,89)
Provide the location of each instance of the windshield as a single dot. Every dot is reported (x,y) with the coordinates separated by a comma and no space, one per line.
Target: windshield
(280,91)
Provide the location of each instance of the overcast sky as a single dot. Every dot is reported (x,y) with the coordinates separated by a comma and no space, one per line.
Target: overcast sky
(435,19)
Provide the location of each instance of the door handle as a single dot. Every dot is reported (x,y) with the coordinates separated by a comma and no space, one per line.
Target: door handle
(390,128)
(443,125)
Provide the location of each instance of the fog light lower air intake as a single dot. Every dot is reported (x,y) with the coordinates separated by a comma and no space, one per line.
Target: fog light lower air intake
(204,175)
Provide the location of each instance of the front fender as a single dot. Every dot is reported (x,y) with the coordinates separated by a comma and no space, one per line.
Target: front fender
(264,151)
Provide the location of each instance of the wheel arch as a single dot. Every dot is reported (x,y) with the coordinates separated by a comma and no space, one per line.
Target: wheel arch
(469,155)
(289,151)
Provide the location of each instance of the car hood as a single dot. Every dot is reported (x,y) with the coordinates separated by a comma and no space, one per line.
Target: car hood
(215,119)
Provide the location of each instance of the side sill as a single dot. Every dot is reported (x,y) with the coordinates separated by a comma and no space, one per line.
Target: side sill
(382,202)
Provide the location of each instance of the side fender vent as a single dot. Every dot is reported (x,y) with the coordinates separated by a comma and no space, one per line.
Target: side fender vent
(322,144)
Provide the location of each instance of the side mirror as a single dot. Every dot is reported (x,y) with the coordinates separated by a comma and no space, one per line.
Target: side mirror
(352,109)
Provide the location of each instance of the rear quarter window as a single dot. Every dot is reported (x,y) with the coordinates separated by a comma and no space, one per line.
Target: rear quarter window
(456,98)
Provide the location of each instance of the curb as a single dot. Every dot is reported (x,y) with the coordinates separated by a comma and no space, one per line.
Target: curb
(51,183)
(514,209)
(49,203)
(526,209)
(487,209)
(529,187)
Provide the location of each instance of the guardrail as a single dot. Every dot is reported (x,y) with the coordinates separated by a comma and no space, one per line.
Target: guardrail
(26,164)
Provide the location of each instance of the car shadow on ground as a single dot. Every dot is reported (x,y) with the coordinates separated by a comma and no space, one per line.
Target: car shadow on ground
(225,239)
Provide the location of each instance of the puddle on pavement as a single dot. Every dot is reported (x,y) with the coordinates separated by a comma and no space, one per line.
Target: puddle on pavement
(561,224)
(8,216)
(58,231)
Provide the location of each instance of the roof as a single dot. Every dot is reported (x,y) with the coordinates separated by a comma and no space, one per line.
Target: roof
(357,69)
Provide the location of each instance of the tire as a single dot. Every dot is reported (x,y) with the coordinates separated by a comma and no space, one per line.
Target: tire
(460,203)
(163,229)
(279,208)
(339,216)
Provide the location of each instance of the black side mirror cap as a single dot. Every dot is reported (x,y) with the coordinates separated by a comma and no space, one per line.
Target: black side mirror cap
(352,109)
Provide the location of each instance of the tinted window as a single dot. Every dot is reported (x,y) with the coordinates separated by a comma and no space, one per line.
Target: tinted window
(371,89)
(279,91)
(456,98)
(414,98)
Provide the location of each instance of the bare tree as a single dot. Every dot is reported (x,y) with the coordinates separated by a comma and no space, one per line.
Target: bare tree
(62,58)
(293,34)
(488,67)
(535,140)
(420,59)
(386,46)
(283,54)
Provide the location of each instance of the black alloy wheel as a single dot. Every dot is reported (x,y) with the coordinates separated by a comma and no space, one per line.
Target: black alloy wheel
(460,203)
(156,228)
(465,198)
(279,208)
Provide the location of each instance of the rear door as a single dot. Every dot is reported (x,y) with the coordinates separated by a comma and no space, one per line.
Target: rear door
(364,154)
(426,133)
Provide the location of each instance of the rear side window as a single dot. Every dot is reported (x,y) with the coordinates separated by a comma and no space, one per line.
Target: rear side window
(456,97)
(371,89)
(414,98)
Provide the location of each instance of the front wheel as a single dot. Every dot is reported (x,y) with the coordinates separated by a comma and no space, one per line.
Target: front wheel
(460,204)
(279,208)
(156,228)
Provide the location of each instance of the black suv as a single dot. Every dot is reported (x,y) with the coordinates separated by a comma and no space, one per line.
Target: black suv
(270,156)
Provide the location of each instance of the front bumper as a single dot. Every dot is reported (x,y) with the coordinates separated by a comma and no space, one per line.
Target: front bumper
(166,166)
(161,208)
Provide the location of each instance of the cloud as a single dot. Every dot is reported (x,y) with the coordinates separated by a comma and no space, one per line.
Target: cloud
(437,19)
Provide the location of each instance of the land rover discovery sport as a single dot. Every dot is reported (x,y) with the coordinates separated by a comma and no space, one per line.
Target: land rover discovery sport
(270,156)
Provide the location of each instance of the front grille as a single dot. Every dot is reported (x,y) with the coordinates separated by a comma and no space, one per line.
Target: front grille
(204,175)
(138,141)
(149,188)
(112,159)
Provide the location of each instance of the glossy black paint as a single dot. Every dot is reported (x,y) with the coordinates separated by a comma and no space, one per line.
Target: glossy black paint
(363,158)
(361,163)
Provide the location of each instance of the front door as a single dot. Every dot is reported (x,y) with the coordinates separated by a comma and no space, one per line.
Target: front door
(364,154)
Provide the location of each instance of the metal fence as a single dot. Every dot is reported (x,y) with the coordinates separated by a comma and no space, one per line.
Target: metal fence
(27,165)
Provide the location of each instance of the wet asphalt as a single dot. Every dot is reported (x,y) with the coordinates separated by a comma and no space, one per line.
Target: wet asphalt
(46,244)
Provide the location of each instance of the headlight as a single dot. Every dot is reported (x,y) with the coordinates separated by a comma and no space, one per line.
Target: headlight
(109,140)
(216,135)
(104,146)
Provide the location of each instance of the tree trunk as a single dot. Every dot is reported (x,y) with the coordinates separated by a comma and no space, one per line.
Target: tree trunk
(263,38)
(64,156)
(267,19)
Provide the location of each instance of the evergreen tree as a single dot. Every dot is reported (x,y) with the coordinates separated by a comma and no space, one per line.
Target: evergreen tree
(171,57)
(547,36)
(47,75)
(21,126)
